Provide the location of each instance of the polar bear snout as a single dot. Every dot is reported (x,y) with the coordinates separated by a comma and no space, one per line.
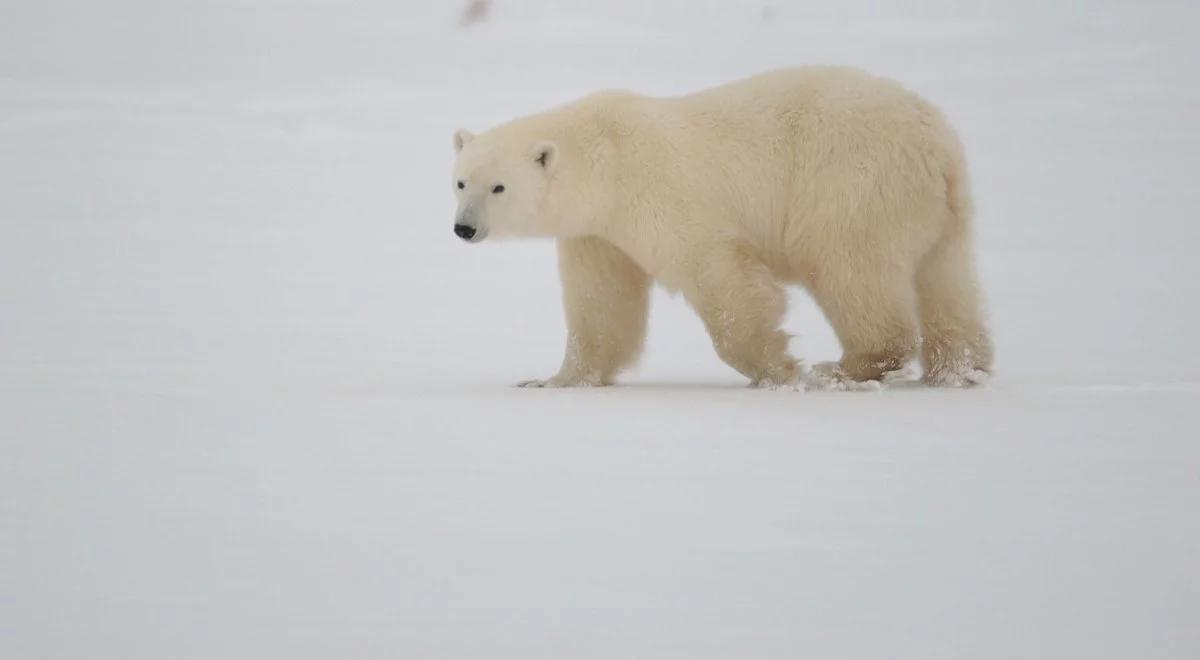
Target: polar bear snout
(467,225)
(465,232)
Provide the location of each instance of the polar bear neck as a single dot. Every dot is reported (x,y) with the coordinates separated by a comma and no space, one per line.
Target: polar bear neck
(595,136)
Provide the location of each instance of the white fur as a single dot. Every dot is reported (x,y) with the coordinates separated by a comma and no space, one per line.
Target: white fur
(829,178)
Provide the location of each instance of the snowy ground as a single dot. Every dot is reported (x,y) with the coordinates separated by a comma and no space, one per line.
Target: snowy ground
(255,397)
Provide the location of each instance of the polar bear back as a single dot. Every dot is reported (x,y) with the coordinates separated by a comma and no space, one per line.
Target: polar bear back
(794,163)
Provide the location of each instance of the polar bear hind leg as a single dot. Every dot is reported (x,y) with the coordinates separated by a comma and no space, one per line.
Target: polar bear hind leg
(956,350)
(873,313)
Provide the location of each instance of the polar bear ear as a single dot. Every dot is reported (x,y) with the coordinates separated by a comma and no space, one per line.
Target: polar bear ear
(546,154)
(461,137)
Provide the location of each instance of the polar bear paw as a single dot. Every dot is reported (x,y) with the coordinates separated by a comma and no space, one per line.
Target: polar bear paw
(831,377)
(784,377)
(561,381)
(960,378)
(793,384)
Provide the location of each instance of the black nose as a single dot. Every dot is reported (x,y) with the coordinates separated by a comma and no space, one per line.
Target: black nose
(465,232)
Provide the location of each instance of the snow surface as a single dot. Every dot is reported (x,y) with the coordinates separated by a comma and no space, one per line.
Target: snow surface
(255,398)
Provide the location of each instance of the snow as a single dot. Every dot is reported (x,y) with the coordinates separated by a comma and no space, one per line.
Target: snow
(256,399)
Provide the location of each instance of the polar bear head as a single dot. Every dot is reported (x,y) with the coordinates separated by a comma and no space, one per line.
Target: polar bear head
(502,180)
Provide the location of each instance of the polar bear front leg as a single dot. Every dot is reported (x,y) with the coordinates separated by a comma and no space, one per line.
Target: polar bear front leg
(742,306)
(606,297)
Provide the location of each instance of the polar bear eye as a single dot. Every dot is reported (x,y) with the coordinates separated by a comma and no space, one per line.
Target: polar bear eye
(498,189)
(461,185)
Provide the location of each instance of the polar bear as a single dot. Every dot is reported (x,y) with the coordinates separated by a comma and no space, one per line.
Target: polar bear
(830,178)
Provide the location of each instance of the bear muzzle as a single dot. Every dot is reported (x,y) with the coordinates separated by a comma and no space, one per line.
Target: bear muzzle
(467,225)
(470,232)
(465,232)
